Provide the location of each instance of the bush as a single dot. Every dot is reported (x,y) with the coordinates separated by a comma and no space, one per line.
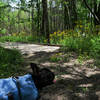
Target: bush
(10,62)
(78,44)
(27,39)
(95,48)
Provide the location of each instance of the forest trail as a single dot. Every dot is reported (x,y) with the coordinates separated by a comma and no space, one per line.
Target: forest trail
(26,48)
(74,81)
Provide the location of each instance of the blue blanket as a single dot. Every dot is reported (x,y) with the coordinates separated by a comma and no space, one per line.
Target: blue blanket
(26,84)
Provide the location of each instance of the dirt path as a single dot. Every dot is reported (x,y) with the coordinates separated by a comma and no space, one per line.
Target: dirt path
(75,81)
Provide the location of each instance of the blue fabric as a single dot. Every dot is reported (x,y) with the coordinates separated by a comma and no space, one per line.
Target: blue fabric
(27,88)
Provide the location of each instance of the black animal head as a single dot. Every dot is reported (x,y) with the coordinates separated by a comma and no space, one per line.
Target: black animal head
(42,77)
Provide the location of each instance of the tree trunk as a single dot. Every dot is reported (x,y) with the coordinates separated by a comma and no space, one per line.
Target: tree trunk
(9,23)
(51,29)
(19,21)
(66,18)
(38,16)
(95,13)
(32,15)
(45,21)
(72,13)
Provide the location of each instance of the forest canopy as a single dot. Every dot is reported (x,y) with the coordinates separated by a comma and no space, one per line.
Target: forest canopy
(48,21)
(42,18)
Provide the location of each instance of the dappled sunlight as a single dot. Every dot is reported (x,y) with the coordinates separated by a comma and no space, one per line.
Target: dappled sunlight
(61,35)
(75,79)
(31,48)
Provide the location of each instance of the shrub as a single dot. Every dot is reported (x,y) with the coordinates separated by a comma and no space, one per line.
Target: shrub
(95,48)
(10,62)
(78,44)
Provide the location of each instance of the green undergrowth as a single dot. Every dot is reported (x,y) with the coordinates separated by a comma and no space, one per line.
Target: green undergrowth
(86,47)
(26,39)
(10,62)
(84,44)
(91,45)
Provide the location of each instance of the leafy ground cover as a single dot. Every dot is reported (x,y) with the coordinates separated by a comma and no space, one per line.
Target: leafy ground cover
(10,62)
(18,38)
(82,43)
(76,65)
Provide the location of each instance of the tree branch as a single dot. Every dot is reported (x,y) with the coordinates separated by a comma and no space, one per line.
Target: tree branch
(94,15)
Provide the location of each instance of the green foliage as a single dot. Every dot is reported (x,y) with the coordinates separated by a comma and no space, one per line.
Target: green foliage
(95,48)
(22,38)
(10,62)
(83,57)
(55,58)
(84,89)
(3,31)
(78,45)
(1,4)
(16,38)
(60,57)
(77,40)
(85,44)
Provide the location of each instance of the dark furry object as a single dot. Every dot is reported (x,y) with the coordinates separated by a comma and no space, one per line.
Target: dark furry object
(42,77)
(26,87)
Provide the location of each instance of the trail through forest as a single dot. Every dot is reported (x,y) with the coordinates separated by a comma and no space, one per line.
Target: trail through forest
(74,81)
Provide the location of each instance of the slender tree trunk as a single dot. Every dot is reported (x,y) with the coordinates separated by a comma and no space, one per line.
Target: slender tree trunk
(38,20)
(38,16)
(19,21)
(51,29)
(72,13)
(95,13)
(66,18)
(45,21)
(54,19)
(29,19)
(9,25)
(32,15)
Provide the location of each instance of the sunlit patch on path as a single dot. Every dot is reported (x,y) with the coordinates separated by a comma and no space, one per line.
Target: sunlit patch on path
(30,48)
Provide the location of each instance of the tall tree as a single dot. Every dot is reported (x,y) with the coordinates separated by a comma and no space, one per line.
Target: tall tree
(38,16)
(32,16)
(50,16)
(45,21)
(72,13)
(66,14)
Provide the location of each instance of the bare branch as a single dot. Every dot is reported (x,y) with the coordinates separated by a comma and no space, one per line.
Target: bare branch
(94,15)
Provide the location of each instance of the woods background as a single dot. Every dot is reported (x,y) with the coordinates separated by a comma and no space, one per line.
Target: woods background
(44,17)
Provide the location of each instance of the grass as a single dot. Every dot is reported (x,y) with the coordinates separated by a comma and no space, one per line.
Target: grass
(27,39)
(10,62)
(60,57)
(16,38)
(71,42)
(87,45)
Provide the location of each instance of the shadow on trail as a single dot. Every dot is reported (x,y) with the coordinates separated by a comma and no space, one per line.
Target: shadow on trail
(72,81)
(41,57)
(85,88)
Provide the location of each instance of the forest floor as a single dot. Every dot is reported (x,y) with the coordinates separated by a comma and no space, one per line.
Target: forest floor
(74,80)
